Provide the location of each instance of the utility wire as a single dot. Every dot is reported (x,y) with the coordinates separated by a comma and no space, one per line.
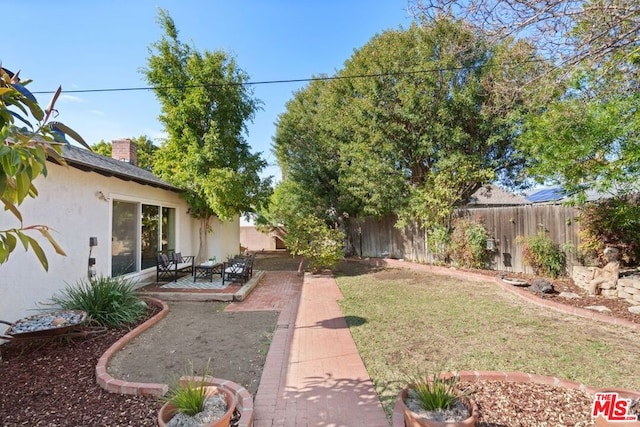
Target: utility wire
(266,82)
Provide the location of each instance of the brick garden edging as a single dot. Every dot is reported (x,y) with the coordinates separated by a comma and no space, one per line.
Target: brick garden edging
(113,385)
(576,311)
(529,296)
(397,419)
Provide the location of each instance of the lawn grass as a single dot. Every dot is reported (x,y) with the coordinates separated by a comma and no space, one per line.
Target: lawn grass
(417,322)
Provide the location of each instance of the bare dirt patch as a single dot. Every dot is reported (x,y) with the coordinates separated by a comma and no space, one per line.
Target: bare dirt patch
(232,345)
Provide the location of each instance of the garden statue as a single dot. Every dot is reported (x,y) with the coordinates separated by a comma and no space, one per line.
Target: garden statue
(607,276)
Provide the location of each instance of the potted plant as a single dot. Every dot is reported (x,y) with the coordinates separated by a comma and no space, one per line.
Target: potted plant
(436,401)
(192,402)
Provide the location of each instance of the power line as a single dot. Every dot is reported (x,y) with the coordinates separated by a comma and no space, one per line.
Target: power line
(266,82)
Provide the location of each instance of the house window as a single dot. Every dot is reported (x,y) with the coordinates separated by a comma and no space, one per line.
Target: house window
(139,232)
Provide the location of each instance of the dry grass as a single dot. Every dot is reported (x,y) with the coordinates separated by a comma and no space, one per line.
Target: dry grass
(405,322)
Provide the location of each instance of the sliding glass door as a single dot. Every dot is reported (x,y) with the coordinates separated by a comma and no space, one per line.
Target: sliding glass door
(139,232)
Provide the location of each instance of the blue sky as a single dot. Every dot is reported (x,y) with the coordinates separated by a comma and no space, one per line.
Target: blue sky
(103,44)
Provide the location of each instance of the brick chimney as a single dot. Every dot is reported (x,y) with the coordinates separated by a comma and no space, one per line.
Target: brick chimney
(125,150)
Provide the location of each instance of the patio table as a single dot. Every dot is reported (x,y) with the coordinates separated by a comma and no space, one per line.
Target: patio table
(206,270)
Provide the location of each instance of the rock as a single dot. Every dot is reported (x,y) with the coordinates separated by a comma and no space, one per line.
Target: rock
(515,281)
(58,321)
(541,286)
(635,309)
(599,308)
(569,295)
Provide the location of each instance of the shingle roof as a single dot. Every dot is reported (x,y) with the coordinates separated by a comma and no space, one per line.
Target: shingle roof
(495,196)
(92,162)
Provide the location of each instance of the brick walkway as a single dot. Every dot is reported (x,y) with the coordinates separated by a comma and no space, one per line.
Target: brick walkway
(313,375)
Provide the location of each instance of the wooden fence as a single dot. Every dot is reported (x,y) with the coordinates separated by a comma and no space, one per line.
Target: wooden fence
(370,237)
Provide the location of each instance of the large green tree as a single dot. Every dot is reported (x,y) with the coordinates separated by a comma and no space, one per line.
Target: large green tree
(206,106)
(589,135)
(415,122)
(581,143)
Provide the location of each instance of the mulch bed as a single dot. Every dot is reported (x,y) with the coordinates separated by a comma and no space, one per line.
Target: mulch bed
(618,307)
(52,383)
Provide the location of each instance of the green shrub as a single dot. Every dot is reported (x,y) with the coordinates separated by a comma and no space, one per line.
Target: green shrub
(610,222)
(469,244)
(109,301)
(544,256)
(438,242)
(310,237)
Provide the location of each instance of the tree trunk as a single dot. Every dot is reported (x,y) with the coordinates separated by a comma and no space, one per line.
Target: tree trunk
(203,248)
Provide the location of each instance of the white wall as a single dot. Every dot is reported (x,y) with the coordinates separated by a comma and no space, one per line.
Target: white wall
(68,203)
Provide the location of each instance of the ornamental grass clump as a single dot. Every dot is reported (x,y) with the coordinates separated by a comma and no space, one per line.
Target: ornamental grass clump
(189,394)
(108,301)
(434,393)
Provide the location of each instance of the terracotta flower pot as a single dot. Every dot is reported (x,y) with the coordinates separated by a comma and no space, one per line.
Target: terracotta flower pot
(168,410)
(412,419)
(601,421)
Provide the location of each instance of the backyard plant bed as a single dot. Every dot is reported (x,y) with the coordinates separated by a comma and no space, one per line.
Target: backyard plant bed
(53,383)
(618,307)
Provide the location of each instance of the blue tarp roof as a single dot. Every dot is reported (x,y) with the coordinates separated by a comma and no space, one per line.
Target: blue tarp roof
(547,195)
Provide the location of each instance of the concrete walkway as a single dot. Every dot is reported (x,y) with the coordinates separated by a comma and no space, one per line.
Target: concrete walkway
(313,375)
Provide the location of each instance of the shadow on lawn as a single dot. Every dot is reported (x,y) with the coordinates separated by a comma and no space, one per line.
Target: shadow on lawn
(358,267)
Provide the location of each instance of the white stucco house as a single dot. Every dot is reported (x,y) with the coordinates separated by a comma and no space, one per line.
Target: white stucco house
(129,212)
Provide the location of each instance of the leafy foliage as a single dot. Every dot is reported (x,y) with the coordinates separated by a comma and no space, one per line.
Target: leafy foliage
(579,140)
(469,244)
(438,241)
(427,123)
(23,156)
(307,231)
(310,237)
(611,222)
(103,147)
(542,254)
(109,301)
(205,108)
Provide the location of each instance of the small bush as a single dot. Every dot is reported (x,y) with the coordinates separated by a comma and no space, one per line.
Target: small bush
(321,245)
(438,242)
(109,301)
(610,222)
(469,244)
(544,256)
